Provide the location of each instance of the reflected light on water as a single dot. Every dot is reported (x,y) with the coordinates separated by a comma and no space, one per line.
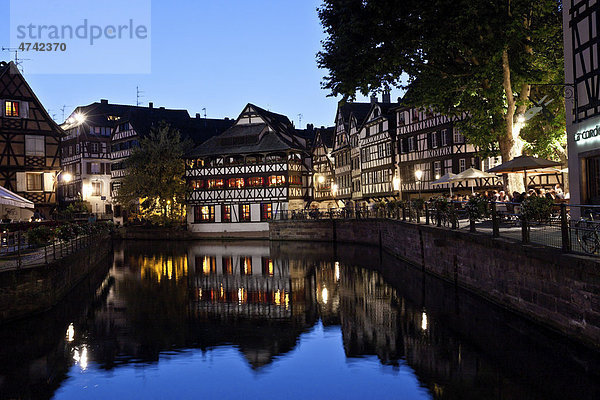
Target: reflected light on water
(162,266)
(325,295)
(81,357)
(278,297)
(424,321)
(70,333)
(337,271)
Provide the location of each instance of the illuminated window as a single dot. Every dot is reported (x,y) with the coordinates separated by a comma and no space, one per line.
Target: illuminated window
(35,182)
(267,266)
(96,188)
(256,181)
(245,212)
(295,180)
(198,184)
(227,266)
(276,180)
(35,145)
(216,183)
(204,214)
(236,183)
(11,109)
(246,265)
(266,212)
(226,213)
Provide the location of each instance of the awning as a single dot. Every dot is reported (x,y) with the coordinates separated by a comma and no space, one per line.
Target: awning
(12,199)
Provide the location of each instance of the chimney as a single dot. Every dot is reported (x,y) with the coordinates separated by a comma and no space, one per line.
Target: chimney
(374,98)
(161,108)
(385,97)
(103,101)
(198,115)
(151,105)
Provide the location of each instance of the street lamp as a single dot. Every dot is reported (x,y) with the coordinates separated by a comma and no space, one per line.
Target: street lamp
(66,176)
(419,175)
(321,179)
(396,184)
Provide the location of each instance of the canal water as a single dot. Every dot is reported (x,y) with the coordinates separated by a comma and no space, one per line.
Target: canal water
(259,320)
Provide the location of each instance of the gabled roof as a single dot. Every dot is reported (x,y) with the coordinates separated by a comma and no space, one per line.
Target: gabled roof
(360,111)
(324,137)
(11,68)
(276,133)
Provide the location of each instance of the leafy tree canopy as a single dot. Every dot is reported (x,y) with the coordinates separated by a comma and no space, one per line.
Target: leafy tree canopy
(454,56)
(155,172)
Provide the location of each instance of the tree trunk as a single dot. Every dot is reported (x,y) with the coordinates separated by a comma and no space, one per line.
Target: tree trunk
(510,143)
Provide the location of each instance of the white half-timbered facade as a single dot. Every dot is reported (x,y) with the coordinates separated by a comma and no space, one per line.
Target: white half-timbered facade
(323,170)
(430,143)
(346,152)
(255,171)
(582,99)
(377,156)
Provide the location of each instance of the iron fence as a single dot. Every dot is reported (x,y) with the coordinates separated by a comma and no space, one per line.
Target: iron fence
(500,219)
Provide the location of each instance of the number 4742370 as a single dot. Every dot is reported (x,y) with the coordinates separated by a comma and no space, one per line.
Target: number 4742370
(42,46)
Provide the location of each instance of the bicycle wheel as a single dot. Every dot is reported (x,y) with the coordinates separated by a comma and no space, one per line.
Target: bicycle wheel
(587,236)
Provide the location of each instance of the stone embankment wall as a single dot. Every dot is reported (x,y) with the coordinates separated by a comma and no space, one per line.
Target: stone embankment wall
(32,290)
(559,290)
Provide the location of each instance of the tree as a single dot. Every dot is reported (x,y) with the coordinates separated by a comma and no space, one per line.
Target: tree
(457,56)
(155,172)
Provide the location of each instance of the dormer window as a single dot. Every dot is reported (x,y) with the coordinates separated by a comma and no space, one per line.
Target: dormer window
(11,108)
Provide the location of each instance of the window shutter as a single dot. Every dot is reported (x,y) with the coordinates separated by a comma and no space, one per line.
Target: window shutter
(102,168)
(1,108)
(48,182)
(429,141)
(21,182)
(24,109)
(89,167)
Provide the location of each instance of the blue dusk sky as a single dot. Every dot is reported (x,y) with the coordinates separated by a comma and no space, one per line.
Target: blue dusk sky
(217,55)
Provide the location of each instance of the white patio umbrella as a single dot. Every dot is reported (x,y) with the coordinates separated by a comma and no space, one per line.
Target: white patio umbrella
(444,180)
(471,174)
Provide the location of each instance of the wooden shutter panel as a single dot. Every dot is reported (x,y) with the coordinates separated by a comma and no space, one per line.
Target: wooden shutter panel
(88,167)
(21,182)
(102,168)
(48,182)
(24,112)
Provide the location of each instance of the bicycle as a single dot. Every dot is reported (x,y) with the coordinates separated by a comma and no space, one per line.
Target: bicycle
(587,231)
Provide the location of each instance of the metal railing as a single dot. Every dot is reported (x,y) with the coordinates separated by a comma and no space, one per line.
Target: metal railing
(16,253)
(500,219)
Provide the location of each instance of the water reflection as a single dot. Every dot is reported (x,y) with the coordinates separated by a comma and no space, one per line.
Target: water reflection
(271,303)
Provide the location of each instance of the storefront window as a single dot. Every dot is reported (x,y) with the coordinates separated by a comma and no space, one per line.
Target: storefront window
(204,214)
(266,212)
(226,214)
(245,212)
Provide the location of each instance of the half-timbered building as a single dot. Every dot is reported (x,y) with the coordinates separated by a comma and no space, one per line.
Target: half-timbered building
(138,122)
(346,152)
(323,169)
(85,155)
(29,142)
(428,146)
(582,99)
(377,154)
(256,171)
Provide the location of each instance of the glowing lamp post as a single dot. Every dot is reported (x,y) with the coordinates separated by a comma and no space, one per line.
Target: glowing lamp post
(396,184)
(66,177)
(418,176)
